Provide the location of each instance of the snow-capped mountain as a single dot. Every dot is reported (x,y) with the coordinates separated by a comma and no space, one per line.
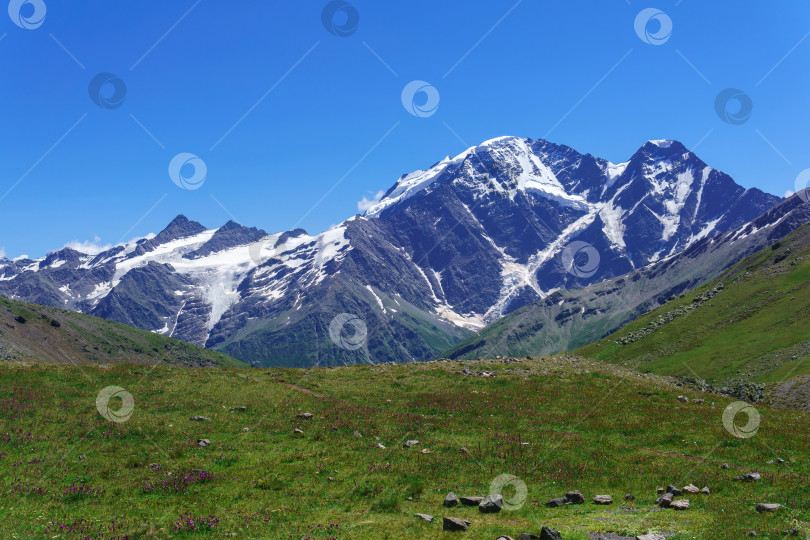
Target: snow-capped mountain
(443,252)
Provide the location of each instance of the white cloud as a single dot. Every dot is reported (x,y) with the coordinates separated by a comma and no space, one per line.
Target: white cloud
(788,193)
(90,248)
(365,203)
(2,253)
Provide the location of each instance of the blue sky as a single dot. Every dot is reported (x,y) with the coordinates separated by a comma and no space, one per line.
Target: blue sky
(295,124)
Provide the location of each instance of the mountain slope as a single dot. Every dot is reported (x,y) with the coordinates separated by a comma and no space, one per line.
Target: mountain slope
(570,319)
(444,252)
(35,333)
(749,324)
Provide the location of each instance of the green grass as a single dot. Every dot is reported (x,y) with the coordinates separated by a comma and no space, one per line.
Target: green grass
(755,329)
(597,428)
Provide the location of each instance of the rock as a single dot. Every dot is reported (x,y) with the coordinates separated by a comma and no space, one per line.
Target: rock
(426,517)
(357,434)
(298,431)
(239,409)
(547,533)
(768,507)
(203,442)
(245,429)
(672,489)
(504,538)
(680,504)
(81,457)
(705,490)
(410,443)
(691,488)
(683,399)
(305,415)
(451,500)
(463,450)
(751,477)
(651,537)
(381,446)
(331,478)
(200,419)
(528,536)
(602,499)
(629,497)
(491,504)
(780,460)
(660,491)
(554,503)
(574,497)
(425,451)
(752,533)
(154,466)
(471,501)
(724,465)
(698,401)
(454,524)
(665,500)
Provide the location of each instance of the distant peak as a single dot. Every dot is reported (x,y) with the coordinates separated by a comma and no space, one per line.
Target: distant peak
(670,146)
(180,227)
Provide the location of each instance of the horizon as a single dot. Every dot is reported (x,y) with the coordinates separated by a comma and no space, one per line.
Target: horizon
(93,170)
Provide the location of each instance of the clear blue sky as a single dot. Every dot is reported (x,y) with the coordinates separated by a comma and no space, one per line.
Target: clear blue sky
(534,74)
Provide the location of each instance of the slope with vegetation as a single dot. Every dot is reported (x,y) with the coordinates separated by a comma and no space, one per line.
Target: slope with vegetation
(210,453)
(748,325)
(30,332)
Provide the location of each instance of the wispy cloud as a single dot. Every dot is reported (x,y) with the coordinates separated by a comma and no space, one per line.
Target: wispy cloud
(93,247)
(2,253)
(788,193)
(365,203)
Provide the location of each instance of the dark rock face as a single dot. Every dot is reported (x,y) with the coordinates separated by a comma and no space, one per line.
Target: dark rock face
(488,233)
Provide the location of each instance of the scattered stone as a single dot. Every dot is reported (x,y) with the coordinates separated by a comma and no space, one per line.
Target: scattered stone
(471,501)
(554,503)
(602,499)
(154,466)
(683,399)
(680,504)
(200,419)
(491,504)
(454,524)
(651,537)
(672,489)
(239,409)
(547,533)
(705,490)
(792,532)
(203,442)
(629,497)
(691,488)
(331,478)
(780,460)
(305,415)
(410,443)
(574,497)
(426,517)
(81,457)
(528,536)
(381,446)
(451,500)
(768,507)
(463,450)
(724,465)
(698,401)
(425,451)
(660,491)
(752,533)
(357,434)
(298,431)
(665,500)
(504,538)
(245,429)
(751,477)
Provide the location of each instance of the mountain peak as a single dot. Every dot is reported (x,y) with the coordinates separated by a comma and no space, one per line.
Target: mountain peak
(180,227)
(664,147)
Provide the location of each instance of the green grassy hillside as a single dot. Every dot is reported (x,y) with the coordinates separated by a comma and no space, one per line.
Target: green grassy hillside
(751,324)
(34,333)
(557,424)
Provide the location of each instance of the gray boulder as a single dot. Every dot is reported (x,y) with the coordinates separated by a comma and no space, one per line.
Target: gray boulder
(451,500)
(491,504)
(768,507)
(455,524)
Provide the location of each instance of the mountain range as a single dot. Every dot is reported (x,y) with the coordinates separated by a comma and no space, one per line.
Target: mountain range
(505,225)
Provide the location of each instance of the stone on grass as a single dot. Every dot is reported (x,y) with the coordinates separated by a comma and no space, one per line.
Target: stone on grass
(665,500)
(203,442)
(305,415)
(502,537)
(425,451)
(298,431)
(751,477)
(680,504)
(574,497)
(602,499)
(412,442)
(691,488)
(200,419)
(426,517)
(724,465)
(672,489)
(683,399)
(768,507)
(357,434)
(547,533)
(705,490)
(381,446)
(554,503)
(471,501)
(528,536)
(660,491)
(454,524)
(491,504)
(451,500)
(154,466)
(239,409)
(651,537)
(629,497)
